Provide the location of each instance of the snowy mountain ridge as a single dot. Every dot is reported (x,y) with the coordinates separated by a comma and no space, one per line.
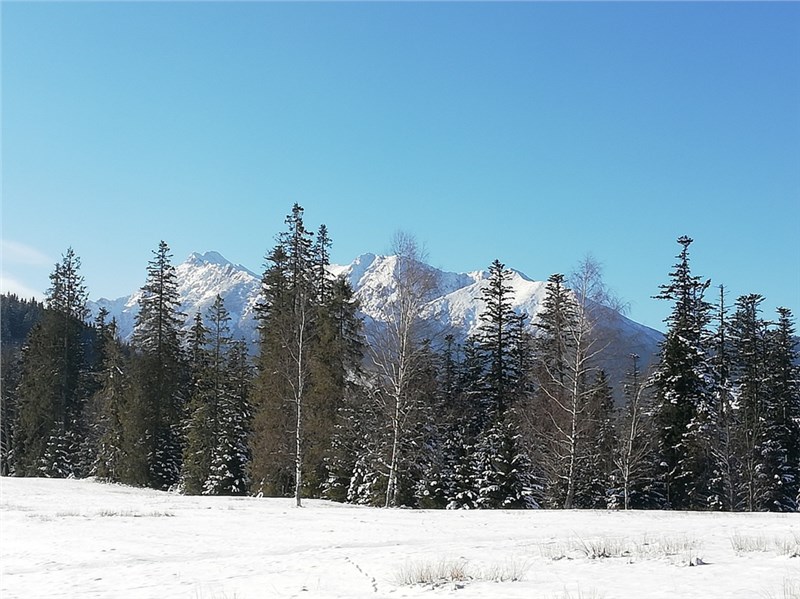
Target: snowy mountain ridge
(454,305)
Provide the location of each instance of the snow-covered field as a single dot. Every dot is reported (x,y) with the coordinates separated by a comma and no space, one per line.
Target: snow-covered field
(67,538)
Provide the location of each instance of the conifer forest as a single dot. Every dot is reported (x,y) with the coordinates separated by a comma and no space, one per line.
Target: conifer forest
(397,414)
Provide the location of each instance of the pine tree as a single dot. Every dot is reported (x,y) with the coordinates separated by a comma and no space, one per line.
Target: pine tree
(17,318)
(201,406)
(50,429)
(271,468)
(230,454)
(158,401)
(503,476)
(498,340)
(748,335)
(337,356)
(727,468)
(596,462)
(284,388)
(684,396)
(501,470)
(110,402)
(781,447)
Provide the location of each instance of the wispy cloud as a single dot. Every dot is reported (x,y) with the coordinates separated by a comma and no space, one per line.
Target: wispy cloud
(9,285)
(18,253)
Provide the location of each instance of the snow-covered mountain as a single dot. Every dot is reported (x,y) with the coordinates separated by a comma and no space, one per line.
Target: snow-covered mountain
(200,278)
(454,306)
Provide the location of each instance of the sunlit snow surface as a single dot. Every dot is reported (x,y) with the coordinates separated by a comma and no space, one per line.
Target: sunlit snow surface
(66,538)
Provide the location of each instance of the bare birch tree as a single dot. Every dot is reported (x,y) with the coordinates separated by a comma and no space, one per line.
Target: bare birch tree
(632,457)
(396,349)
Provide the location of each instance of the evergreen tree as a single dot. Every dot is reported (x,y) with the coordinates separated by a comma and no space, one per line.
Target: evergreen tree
(498,340)
(110,406)
(230,454)
(501,470)
(596,463)
(17,318)
(726,484)
(201,431)
(684,394)
(50,428)
(303,363)
(782,431)
(748,335)
(503,473)
(337,356)
(157,404)
(271,470)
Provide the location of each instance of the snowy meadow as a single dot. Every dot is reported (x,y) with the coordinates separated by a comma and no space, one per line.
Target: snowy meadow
(79,538)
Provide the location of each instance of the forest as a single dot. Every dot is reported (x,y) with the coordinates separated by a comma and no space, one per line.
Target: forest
(520,415)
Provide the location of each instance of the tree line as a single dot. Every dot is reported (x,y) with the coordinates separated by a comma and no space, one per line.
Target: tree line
(520,415)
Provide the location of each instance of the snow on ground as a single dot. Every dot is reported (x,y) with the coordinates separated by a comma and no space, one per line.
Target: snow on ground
(69,538)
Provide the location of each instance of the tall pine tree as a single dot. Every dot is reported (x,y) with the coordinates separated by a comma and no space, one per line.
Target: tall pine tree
(684,391)
(157,405)
(782,443)
(50,429)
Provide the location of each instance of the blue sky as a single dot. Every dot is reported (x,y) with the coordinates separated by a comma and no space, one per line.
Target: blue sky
(530,132)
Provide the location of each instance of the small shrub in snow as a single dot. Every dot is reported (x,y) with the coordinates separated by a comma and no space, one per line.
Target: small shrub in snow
(557,551)
(683,549)
(667,546)
(788,546)
(604,547)
(443,571)
(509,571)
(134,514)
(747,544)
(789,590)
(432,572)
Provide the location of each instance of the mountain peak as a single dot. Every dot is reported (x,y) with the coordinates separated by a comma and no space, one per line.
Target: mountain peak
(208,258)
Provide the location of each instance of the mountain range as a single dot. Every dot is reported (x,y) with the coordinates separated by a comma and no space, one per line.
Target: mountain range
(454,306)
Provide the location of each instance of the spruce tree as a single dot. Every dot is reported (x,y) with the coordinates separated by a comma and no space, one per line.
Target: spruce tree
(781,447)
(596,462)
(338,352)
(499,340)
(201,431)
(748,335)
(52,394)
(158,400)
(17,318)
(271,470)
(299,380)
(110,407)
(684,395)
(727,467)
(220,421)
(501,470)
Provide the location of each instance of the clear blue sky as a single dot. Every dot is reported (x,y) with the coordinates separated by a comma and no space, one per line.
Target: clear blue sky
(530,132)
